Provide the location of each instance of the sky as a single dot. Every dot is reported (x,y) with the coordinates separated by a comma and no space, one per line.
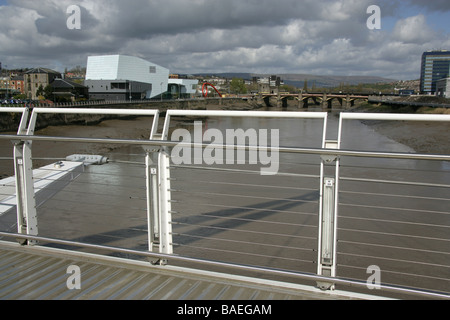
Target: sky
(321,37)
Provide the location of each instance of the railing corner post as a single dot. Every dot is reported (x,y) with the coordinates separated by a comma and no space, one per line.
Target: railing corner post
(165,232)
(326,261)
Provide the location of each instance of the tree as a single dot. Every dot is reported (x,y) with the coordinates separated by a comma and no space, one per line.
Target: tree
(305,85)
(238,86)
(48,92)
(287,88)
(40,91)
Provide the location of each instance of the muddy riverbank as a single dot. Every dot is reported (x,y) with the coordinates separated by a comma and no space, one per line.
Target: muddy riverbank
(423,137)
(9,121)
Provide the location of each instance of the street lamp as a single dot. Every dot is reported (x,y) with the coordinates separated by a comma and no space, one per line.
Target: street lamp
(7,84)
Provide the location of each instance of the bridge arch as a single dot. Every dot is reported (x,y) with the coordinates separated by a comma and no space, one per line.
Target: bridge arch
(205,89)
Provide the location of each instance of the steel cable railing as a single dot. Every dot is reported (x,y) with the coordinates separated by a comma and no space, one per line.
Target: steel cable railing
(253,208)
(394,216)
(266,222)
(102,199)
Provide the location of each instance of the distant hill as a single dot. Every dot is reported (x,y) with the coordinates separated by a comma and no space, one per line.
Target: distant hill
(298,80)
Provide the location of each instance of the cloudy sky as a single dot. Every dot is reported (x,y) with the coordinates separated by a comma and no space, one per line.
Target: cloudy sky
(260,36)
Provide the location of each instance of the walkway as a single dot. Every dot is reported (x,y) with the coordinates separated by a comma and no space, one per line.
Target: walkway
(40,273)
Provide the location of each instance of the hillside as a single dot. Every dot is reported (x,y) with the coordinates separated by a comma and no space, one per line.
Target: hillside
(297,80)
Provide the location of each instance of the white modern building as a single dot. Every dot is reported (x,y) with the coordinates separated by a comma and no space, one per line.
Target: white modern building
(121,77)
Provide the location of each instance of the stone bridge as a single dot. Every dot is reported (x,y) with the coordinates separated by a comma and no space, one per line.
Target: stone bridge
(323,99)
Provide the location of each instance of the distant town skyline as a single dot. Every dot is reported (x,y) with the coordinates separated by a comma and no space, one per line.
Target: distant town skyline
(201,36)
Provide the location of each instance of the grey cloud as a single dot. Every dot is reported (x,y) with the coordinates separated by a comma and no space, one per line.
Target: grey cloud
(219,35)
(432,5)
(170,16)
(54,23)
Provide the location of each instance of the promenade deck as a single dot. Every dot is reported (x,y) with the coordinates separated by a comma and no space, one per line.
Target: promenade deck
(41,273)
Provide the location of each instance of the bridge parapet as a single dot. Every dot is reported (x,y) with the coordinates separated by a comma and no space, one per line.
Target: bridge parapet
(324,99)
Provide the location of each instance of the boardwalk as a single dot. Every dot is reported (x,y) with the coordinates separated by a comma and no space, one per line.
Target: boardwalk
(40,273)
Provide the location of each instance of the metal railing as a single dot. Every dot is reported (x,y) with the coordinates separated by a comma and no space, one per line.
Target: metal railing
(320,218)
(93,103)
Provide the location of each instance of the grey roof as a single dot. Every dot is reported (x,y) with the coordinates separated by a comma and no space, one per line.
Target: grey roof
(42,70)
(64,83)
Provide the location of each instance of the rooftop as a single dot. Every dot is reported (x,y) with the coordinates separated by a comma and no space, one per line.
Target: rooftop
(41,70)
(64,83)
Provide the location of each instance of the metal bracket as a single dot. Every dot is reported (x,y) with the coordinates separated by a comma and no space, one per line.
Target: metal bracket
(158,262)
(328,158)
(151,150)
(330,144)
(17,143)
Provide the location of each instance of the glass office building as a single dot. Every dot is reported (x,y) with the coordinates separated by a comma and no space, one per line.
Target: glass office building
(435,66)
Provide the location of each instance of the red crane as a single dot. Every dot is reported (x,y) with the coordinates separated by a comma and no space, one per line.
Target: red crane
(205,89)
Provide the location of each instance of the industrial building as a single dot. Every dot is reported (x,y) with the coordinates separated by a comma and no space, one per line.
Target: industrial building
(443,88)
(120,77)
(65,89)
(182,87)
(435,66)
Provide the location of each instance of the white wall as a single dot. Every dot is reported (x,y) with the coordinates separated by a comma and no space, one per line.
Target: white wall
(102,68)
(121,67)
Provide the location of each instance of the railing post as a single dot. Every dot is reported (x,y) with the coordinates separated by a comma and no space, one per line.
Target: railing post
(152,192)
(326,260)
(165,203)
(23,168)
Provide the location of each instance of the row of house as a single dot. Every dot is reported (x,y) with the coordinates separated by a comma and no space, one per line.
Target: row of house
(33,82)
(12,83)
(109,77)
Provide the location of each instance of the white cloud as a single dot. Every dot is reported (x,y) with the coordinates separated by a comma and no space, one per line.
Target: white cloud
(413,30)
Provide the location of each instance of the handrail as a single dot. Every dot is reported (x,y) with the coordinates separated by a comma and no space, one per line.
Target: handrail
(168,143)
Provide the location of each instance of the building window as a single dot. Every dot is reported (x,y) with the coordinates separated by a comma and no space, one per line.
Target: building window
(152,69)
(118,85)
